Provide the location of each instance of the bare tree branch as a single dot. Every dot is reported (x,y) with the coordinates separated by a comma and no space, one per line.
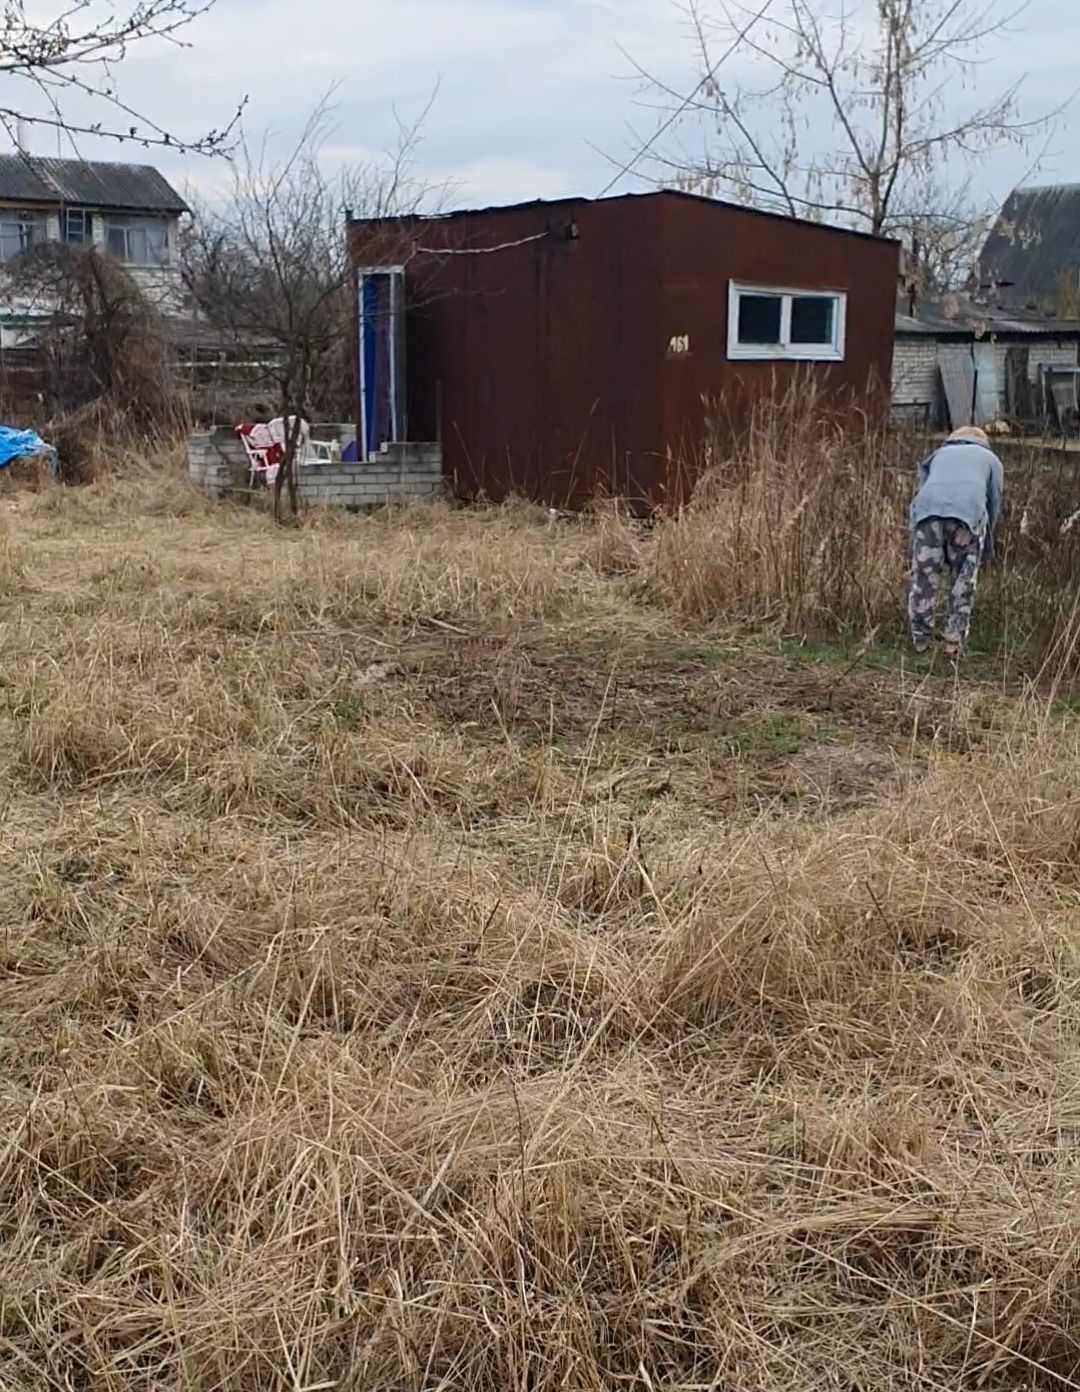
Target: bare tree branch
(74,55)
(880,75)
(101,340)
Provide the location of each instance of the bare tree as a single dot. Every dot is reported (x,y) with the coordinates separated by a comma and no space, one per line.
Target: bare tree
(859,116)
(70,58)
(944,236)
(271,266)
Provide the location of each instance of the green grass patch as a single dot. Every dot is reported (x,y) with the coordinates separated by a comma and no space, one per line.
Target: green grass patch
(766,735)
(349,711)
(1066,707)
(870,656)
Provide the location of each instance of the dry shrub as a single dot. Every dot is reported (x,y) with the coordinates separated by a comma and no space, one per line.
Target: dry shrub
(32,474)
(101,442)
(615,540)
(105,356)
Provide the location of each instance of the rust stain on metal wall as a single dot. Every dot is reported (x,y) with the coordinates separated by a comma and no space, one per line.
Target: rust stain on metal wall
(588,354)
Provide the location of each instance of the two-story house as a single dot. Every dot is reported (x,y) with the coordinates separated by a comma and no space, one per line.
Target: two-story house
(130,211)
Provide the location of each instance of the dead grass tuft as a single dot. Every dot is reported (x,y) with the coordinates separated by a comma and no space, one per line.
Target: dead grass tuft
(433,959)
(12,562)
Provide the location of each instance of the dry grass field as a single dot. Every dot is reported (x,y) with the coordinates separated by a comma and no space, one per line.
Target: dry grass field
(457,950)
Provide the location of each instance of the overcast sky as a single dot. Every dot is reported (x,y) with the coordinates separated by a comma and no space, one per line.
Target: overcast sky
(532,94)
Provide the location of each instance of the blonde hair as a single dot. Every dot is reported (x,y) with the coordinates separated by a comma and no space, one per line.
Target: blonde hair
(973,433)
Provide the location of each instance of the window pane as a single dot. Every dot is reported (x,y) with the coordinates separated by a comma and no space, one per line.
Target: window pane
(76,227)
(812,319)
(116,240)
(155,243)
(759,318)
(18,236)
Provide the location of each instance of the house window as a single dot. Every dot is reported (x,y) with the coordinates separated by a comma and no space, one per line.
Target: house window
(75,228)
(18,232)
(806,325)
(138,241)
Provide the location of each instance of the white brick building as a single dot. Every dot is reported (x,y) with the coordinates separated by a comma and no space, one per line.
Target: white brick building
(969,364)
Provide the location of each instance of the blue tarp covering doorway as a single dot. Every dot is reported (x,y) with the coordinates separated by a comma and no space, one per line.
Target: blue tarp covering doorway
(382,344)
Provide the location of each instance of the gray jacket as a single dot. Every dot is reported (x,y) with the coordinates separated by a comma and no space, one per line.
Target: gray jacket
(963,480)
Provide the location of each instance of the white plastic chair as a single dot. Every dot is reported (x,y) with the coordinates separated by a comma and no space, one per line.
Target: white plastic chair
(280,429)
(263,453)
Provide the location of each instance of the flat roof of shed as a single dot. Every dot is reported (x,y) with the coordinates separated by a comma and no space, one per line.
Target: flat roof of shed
(536,203)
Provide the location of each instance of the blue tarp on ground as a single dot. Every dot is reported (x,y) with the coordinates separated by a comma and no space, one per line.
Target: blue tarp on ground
(18,444)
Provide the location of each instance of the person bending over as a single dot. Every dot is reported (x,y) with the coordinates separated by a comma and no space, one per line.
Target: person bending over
(953,519)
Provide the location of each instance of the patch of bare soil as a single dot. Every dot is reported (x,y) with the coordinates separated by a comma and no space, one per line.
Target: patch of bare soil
(847,775)
(539,691)
(661,694)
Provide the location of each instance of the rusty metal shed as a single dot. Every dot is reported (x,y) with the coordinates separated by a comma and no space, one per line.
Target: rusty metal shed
(562,350)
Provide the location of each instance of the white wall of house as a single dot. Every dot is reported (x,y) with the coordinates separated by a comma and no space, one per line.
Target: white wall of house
(1051,355)
(915,371)
(161,283)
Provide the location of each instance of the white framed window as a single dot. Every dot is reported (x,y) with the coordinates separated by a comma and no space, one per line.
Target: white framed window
(138,241)
(766,323)
(19,231)
(75,227)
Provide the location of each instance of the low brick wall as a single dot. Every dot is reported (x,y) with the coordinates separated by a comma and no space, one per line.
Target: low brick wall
(218,464)
(400,473)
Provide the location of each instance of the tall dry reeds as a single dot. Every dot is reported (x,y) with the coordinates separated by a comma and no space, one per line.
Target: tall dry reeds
(802,525)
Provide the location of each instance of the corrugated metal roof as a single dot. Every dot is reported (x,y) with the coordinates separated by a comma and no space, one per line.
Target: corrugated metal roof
(88,184)
(1035,245)
(905,324)
(1045,328)
(966,319)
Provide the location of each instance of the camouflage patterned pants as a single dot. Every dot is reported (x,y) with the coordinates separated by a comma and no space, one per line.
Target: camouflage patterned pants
(942,543)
